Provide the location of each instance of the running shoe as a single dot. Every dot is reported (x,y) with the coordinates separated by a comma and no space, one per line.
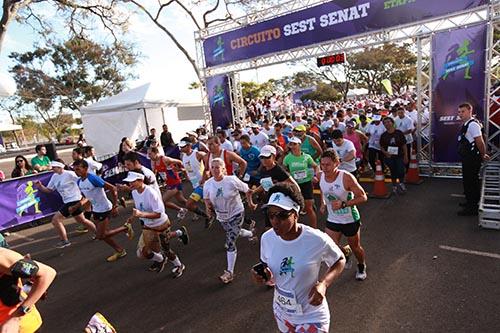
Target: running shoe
(181,214)
(196,217)
(185,236)
(395,189)
(62,244)
(226,277)
(402,188)
(117,255)
(129,232)
(81,229)
(348,254)
(158,266)
(361,273)
(178,270)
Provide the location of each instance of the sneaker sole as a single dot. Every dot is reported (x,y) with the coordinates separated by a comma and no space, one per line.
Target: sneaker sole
(62,246)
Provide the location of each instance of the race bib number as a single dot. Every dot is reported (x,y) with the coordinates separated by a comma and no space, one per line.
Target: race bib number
(266,183)
(299,175)
(392,150)
(287,301)
(246,177)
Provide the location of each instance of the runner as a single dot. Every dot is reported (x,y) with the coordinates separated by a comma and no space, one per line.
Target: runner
(153,243)
(374,131)
(222,196)
(65,183)
(302,168)
(193,164)
(346,151)
(18,312)
(165,167)
(340,193)
(250,154)
(291,255)
(393,146)
(229,157)
(309,145)
(93,188)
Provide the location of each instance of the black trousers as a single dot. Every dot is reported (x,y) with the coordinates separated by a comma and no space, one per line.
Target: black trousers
(373,156)
(470,178)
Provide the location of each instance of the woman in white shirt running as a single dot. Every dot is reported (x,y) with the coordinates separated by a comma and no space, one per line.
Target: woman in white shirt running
(291,255)
(222,195)
(153,243)
(65,183)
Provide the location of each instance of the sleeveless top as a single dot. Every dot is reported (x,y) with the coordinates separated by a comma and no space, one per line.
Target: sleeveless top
(307,148)
(167,173)
(336,191)
(193,167)
(354,138)
(227,162)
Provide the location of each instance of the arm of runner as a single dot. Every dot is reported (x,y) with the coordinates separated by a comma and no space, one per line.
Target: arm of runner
(317,147)
(174,161)
(42,187)
(318,291)
(349,156)
(114,197)
(233,157)
(405,154)
(482,147)
(353,186)
(146,215)
(209,209)
(322,207)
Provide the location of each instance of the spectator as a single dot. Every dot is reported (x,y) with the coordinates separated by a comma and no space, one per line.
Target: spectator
(81,141)
(166,138)
(127,145)
(40,162)
(2,176)
(22,168)
(393,146)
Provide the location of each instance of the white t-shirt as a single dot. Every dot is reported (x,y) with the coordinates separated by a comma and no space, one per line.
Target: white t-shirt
(93,189)
(259,140)
(225,196)
(152,178)
(295,265)
(94,166)
(150,201)
(375,132)
(473,131)
(405,124)
(346,147)
(227,145)
(66,185)
(269,131)
(298,123)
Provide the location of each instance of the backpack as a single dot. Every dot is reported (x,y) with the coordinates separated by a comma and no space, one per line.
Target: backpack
(466,148)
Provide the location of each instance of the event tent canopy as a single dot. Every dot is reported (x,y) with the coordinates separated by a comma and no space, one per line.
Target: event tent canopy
(6,127)
(7,85)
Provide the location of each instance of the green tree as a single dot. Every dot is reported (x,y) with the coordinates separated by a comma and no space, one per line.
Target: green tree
(324,93)
(253,90)
(62,77)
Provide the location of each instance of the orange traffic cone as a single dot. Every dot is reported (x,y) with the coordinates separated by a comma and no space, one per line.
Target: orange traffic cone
(413,174)
(379,188)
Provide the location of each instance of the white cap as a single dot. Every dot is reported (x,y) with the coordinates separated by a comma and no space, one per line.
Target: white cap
(191,133)
(267,151)
(254,126)
(295,139)
(57,164)
(281,200)
(133,176)
(376,117)
(282,120)
(203,137)
(183,144)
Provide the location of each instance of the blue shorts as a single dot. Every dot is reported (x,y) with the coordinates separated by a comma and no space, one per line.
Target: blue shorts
(197,194)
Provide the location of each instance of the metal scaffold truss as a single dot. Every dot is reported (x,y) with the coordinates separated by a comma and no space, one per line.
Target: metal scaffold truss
(492,125)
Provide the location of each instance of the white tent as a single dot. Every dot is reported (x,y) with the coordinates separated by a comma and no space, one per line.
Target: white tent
(7,86)
(357,92)
(7,127)
(132,114)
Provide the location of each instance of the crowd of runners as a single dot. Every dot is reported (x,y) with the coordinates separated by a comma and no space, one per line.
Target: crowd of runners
(281,156)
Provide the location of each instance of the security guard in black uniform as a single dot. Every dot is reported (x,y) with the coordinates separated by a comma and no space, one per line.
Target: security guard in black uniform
(472,150)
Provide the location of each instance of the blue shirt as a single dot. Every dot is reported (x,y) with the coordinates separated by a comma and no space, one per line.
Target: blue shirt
(251,156)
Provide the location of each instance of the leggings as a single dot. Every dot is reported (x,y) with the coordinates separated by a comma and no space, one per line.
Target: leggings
(232,227)
(373,155)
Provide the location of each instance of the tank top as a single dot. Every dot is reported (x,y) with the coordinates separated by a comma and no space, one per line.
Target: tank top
(307,148)
(354,138)
(167,173)
(336,191)
(223,155)
(193,167)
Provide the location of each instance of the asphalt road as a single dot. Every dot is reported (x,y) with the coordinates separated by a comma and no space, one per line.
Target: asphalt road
(413,285)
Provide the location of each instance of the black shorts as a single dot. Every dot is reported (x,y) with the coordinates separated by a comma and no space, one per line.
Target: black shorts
(64,210)
(101,216)
(348,230)
(307,190)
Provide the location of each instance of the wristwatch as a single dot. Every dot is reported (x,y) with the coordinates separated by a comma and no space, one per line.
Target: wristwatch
(24,309)
(344,204)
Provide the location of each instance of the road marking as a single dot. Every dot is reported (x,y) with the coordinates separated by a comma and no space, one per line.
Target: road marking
(477,253)
(19,236)
(455,195)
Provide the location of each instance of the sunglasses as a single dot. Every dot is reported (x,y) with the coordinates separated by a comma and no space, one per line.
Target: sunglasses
(19,161)
(265,157)
(281,215)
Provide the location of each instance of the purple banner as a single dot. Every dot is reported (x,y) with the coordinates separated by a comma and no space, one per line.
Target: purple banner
(325,22)
(21,202)
(220,103)
(114,172)
(458,67)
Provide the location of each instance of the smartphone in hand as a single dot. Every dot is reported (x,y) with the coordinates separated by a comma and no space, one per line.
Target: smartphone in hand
(260,269)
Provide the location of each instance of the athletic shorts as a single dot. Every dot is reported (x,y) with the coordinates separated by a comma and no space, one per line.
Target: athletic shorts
(348,230)
(285,326)
(307,190)
(101,216)
(150,238)
(253,182)
(197,194)
(174,187)
(64,210)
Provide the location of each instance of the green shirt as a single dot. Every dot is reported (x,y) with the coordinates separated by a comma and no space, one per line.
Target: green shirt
(44,161)
(301,167)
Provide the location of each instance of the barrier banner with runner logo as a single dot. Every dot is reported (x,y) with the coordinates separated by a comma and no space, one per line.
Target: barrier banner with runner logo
(458,76)
(325,22)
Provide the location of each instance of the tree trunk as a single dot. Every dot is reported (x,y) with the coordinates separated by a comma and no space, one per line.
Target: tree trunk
(9,12)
